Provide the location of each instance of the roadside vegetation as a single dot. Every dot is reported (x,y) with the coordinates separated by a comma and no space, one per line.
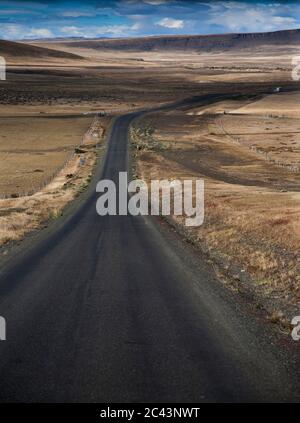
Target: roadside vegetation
(251,230)
(22,214)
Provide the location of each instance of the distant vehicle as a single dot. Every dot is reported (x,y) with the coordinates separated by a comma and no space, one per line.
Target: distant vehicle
(277,90)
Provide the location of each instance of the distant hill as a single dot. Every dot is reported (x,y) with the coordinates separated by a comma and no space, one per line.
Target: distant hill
(12,51)
(53,39)
(192,42)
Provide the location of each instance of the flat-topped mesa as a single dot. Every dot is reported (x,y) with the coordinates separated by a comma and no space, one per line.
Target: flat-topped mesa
(191,42)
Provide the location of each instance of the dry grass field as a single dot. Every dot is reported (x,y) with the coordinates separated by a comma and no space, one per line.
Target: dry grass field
(252,205)
(34,149)
(269,126)
(246,148)
(26,213)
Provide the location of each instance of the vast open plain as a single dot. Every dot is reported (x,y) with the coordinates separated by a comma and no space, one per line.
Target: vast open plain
(246,147)
(232,117)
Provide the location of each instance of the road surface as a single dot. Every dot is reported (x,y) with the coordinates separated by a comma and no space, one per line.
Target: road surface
(118,309)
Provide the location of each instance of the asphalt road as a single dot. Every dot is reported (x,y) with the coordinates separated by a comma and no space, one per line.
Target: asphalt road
(118,309)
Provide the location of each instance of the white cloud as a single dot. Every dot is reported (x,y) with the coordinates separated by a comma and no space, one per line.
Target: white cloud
(71,31)
(40,33)
(155,2)
(98,31)
(11,31)
(171,23)
(139,18)
(280,20)
(76,14)
(137,26)
(15,12)
(17,32)
(115,30)
(256,19)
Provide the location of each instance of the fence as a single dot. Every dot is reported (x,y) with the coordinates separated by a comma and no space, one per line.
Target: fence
(291,167)
(89,133)
(94,128)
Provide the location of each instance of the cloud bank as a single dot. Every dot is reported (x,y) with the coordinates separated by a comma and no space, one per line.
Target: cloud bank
(128,18)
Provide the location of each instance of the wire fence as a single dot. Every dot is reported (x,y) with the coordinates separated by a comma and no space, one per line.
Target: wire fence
(291,167)
(89,135)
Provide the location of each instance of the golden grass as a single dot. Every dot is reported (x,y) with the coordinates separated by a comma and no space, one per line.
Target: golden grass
(33,149)
(24,214)
(255,225)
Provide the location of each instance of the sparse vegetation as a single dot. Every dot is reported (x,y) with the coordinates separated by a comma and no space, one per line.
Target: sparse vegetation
(252,208)
(33,150)
(22,214)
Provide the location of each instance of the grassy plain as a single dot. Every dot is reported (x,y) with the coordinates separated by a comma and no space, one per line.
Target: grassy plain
(246,148)
(252,199)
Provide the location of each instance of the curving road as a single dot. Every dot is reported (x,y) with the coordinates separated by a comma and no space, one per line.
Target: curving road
(118,309)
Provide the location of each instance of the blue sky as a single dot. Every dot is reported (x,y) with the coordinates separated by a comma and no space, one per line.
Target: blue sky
(129,18)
